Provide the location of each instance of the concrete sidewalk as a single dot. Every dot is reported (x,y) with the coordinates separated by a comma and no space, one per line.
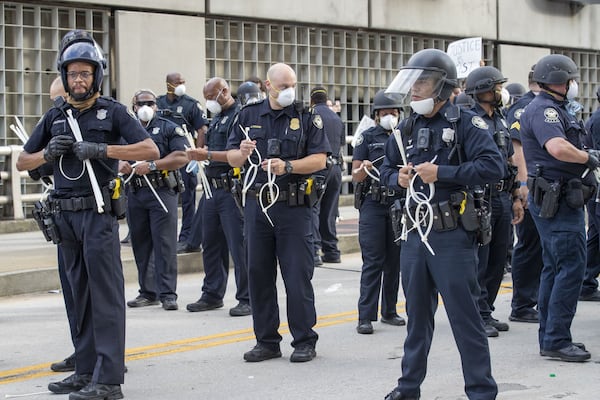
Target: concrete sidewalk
(28,263)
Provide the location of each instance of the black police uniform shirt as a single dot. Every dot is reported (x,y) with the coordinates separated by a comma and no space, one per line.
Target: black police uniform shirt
(183,110)
(498,128)
(217,135)
(513,115)
(546,118)
(299,133)
(167,135)
(481,160)
(107,121)
(370,145)
(333,127)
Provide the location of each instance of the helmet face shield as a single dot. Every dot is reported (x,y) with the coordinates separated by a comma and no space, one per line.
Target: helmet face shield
(419,83)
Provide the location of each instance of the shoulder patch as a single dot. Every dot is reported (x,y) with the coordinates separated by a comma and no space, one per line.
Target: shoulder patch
(179,131)
(551,115)
(478,122)
(518,113)
(358,139)
(318,121)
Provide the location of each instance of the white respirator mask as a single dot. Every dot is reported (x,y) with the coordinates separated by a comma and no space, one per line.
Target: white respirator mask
(145,113)
(388,122)
(179,90)
(423,107)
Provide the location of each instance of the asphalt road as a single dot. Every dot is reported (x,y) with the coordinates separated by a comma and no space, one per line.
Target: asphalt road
(181,355)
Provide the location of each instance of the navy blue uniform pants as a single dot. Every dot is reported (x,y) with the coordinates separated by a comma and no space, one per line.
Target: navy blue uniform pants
(492,257)
(289,242)
(194,239)
(452,273)
(91,254)
(381,262)
(590,283)
(325,213)
(223,233)
(154,241)
(526,266)
(188,203)
(564,254)
(67,295)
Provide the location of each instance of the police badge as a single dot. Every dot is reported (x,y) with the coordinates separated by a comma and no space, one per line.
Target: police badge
(101,114)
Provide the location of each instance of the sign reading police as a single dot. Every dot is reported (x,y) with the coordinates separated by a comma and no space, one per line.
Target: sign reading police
(466,54)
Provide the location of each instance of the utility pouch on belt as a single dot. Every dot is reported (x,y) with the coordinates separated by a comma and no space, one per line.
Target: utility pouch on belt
(118,199)
(574,193)
(311,192)
(180,188)
(359,197)
(236,191)
(468,213)
(446,215)
(550,196)
(44,216)
(375,192)
(301,192)
(484,234)
(396,210)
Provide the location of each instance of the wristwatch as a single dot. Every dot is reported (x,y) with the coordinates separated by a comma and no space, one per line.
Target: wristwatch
(152,166)
(209,155)
(288,167)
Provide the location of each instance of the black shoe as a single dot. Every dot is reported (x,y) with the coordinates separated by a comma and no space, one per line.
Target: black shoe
(203,305)
(261,353)
(530,316)
(490,331)
(500,326)
(331,259)
(318,261)
(364,327)
(127,238)
(183,247)
(580,345)
(141,301)
(571,353)
(66,365)
(595,296)
(70,384)
(170,304)
(396,395)
(241,310)
(395,320)
(303,354)
(98,391)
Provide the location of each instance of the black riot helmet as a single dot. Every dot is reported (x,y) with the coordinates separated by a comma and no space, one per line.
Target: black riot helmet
(382,101)
(464,101)
(84,51)
(516,91)
(483,79)
(555,69)
(249,93)
(426,64)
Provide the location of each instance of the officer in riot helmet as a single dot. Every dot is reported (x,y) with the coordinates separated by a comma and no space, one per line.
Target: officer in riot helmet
(248,93)
(84,213)
(439,154)
(463,100)
(559,186)
(484,85)
(516,91)
(152,206)
(380,271)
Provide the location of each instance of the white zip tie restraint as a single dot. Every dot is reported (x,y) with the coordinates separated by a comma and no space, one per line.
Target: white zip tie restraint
(250,174)
(375,176)
(199,167)
(149,185)
(87,163)
(273,192)
(421,199)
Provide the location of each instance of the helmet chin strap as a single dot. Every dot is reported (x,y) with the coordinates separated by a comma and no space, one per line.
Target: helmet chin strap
(546,88)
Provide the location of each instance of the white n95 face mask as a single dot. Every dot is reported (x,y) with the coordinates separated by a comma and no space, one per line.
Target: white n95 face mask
(388,122)
(573,90)
(505,97)
(286,97)
(213,106)
(145,113)
(423,107)
(179,90)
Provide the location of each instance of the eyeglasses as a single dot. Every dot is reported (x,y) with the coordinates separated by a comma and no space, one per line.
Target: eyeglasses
(148,103)
(83,74)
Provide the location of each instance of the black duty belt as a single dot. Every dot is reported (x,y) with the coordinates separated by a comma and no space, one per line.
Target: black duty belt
(156,179)
(283,196)
(502,185)
(74,203)
(335,160)
(219,183)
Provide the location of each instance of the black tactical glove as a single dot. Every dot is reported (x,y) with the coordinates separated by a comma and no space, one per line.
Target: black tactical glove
(35,174)
(57,146)
(593,161)
(86,150)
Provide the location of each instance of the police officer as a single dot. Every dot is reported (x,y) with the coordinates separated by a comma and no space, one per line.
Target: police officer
(182,109)
(222,220)
(449,150)
(515,91)
(292,145)
(87,233)
(380,251)
(325,211)
(552,143)
(153,213)
(484,84)
(526,261)
(248,93)
(589,289)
